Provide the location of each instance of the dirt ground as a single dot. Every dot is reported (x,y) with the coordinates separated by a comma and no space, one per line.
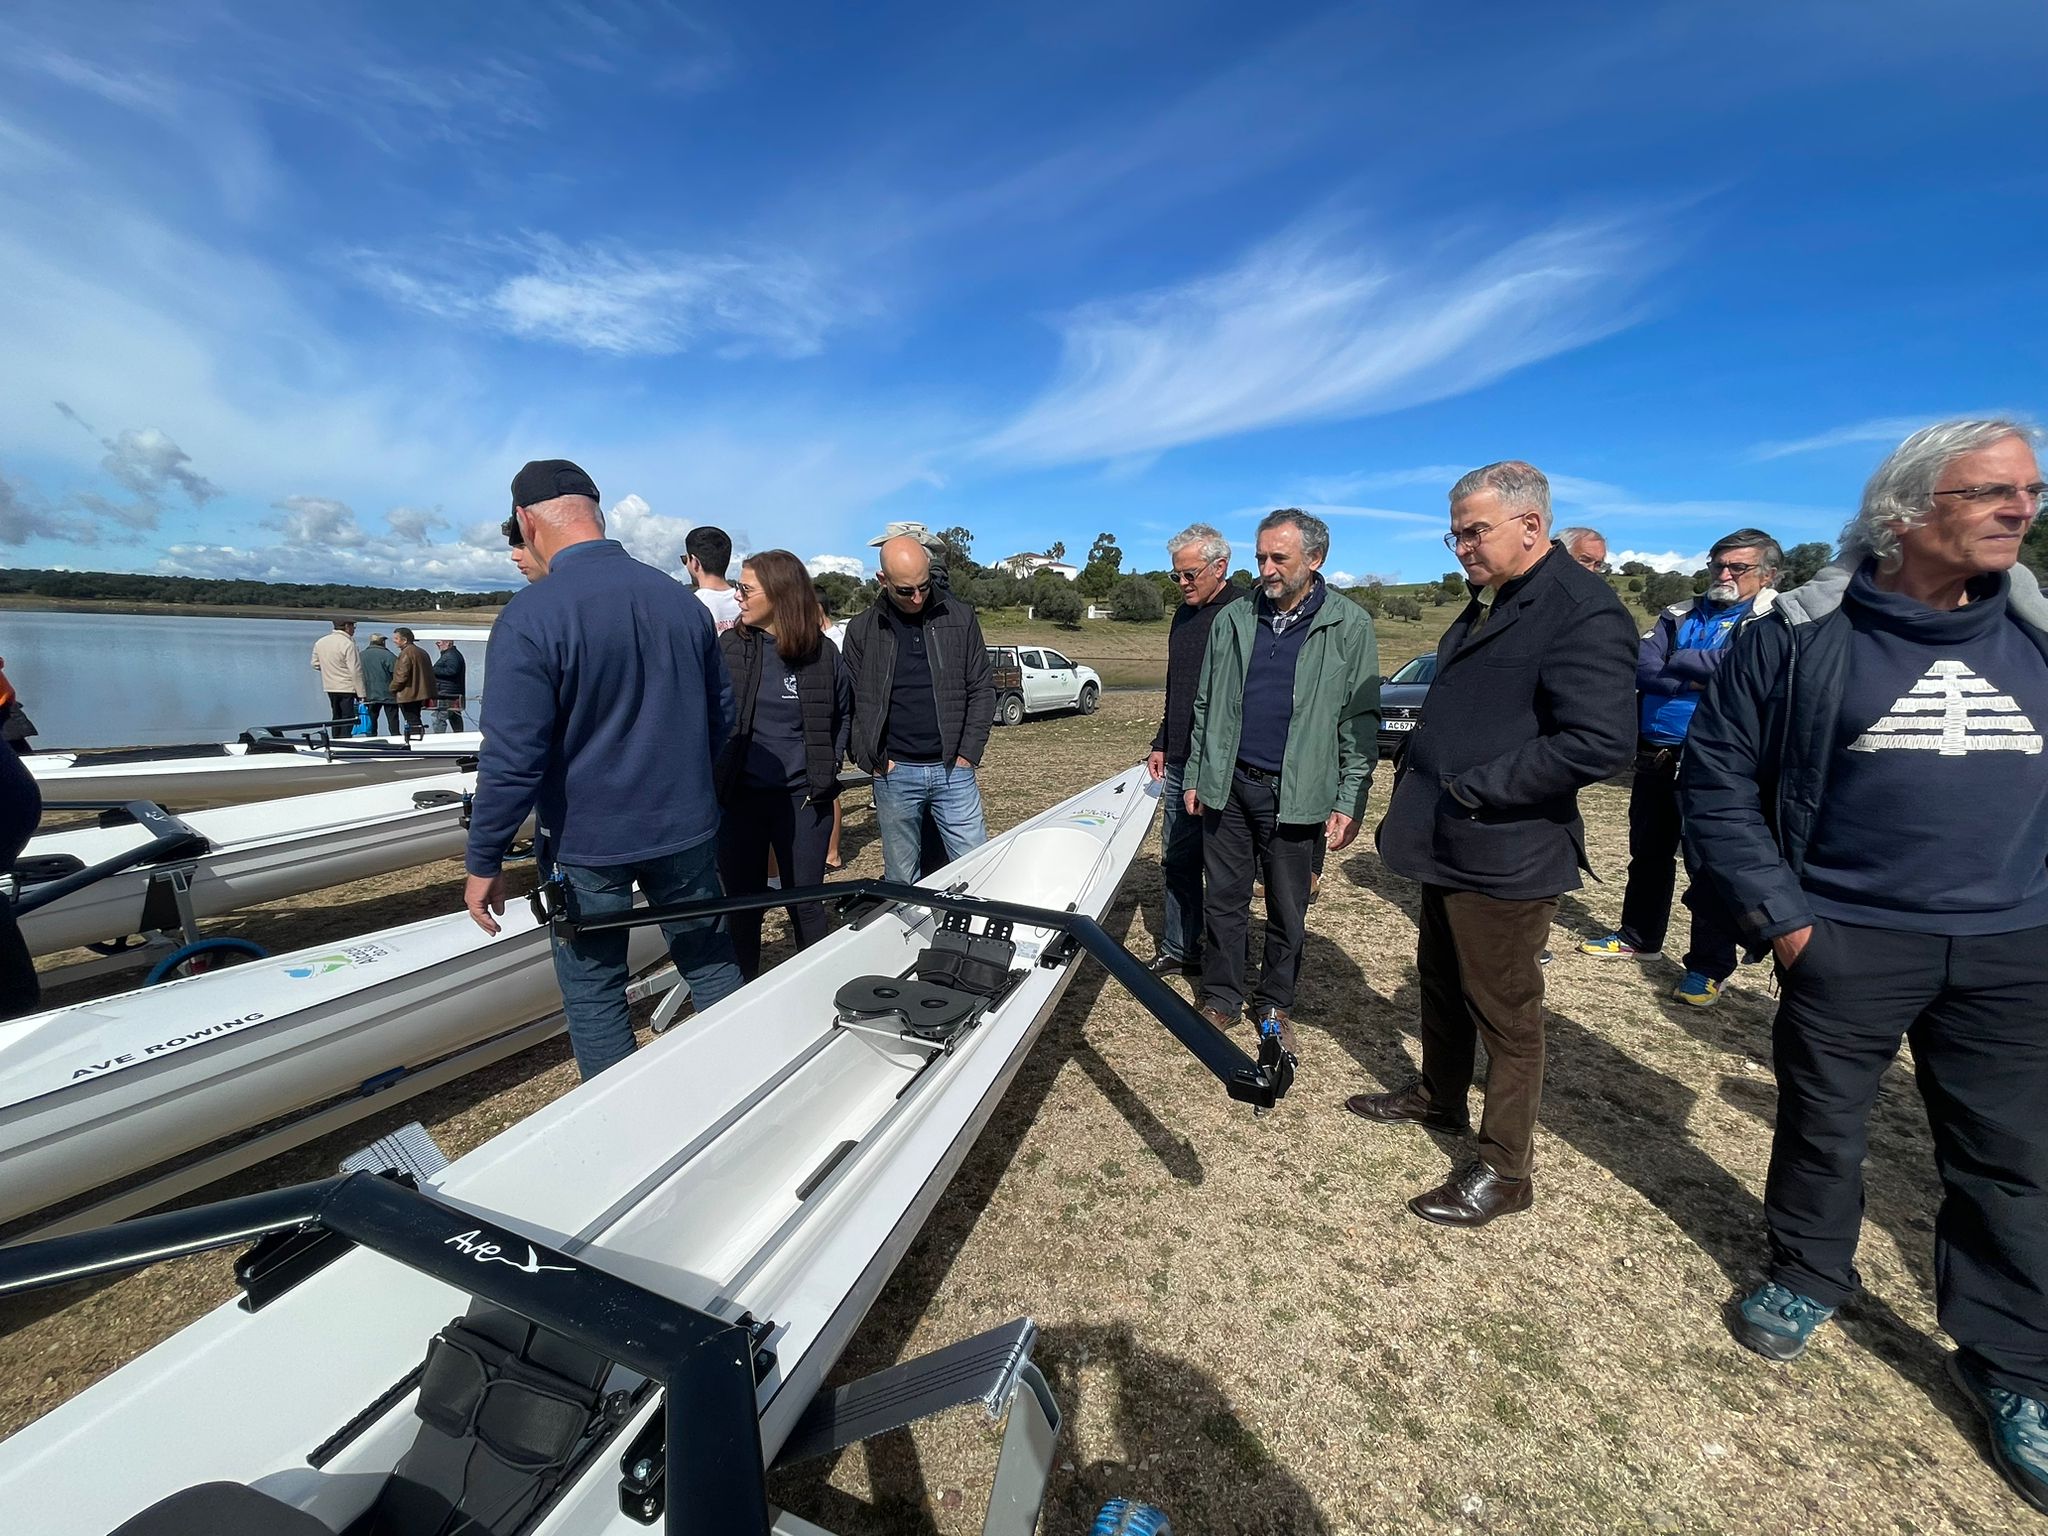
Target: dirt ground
(1240,1319)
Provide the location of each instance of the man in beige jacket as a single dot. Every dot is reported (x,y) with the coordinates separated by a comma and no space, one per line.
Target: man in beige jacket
(340,666)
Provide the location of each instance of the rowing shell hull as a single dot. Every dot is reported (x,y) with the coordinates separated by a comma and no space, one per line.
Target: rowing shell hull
(100,1091)
(236,776)
(679,1170)
(262,852)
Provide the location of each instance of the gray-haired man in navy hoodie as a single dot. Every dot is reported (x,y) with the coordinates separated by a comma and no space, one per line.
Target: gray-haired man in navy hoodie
(1865,783)
(608,700)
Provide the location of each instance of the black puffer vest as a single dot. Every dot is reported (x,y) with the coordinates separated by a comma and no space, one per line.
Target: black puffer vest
(817,692)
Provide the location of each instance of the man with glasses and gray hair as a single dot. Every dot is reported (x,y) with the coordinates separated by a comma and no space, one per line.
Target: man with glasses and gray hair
(1533,692)
(1588,546)
(1865,784)
(1673,665)
(1199,557)
(1281,746)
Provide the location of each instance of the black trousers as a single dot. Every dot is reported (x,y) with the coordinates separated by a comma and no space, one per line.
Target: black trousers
(1653,838)
(1973,1010)
(20,991)
(412,716)
(799,830)
(1242,841)
(384,715)
(341,706)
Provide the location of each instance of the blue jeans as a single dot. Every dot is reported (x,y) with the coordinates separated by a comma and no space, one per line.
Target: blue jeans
(592,967)
(905,793)
(1180,865)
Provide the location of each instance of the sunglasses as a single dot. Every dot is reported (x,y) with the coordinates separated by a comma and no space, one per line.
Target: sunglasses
(510,528)
(922,587)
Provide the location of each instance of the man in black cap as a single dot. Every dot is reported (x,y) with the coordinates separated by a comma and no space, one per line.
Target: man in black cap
(608,698)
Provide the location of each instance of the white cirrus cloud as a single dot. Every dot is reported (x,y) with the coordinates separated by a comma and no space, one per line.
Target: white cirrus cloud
(843,565)
(1314,327)
(626,302)
(1882,429)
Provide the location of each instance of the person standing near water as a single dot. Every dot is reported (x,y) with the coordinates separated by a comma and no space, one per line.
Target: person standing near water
(451,682)
(377,664)
(412,679)
(778,777)
(340,667)
(21,807)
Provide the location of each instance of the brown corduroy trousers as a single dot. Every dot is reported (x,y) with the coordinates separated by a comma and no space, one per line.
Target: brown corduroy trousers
(1478,962)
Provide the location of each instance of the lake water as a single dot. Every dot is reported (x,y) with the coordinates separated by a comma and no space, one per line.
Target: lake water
(139,680)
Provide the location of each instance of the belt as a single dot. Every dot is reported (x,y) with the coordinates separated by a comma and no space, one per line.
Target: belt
(1257,775)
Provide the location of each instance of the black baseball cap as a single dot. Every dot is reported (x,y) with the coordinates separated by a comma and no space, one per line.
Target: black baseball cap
(545,479)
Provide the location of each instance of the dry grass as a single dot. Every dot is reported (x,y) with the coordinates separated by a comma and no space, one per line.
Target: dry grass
(1134,655)
(1240,1319)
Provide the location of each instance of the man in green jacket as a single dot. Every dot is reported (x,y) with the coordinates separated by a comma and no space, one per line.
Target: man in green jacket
(377,665)
(1286,733)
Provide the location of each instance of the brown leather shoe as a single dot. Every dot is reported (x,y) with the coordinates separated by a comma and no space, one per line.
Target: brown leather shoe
(1281,1018)
(1223,1021)
(1408,1104)
(1473,1196)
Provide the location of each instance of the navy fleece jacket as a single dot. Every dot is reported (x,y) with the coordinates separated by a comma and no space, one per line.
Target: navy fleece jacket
(607,702)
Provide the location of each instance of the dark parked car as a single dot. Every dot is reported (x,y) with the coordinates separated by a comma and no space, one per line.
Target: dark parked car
(1401,699)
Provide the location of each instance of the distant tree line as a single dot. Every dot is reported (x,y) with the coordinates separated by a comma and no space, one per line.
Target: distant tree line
(118,586)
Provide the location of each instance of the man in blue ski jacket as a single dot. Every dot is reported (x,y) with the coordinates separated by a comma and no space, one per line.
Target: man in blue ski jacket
(1673,665)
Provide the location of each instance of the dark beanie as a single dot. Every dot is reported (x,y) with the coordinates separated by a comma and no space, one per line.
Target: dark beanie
(545,479)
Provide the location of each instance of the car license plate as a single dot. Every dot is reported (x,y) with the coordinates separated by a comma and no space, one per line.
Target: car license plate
(1400,725)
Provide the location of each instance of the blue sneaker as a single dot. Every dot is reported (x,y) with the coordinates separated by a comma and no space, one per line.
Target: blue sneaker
(1609,948)
(2019,1430)
(1777,1323)
(1698,989)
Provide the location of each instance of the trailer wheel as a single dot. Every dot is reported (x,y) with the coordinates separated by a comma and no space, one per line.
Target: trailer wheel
(1012,712)
(1121,1517)
(206,955)
(1090,697)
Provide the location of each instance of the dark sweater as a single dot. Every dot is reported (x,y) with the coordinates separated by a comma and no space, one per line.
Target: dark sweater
(807,740)
(962,683)
(1942,716)
(607,701)
(1186,640)
(913,734)
(1269,681)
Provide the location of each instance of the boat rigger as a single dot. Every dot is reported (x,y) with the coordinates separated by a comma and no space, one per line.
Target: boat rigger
(649,1279)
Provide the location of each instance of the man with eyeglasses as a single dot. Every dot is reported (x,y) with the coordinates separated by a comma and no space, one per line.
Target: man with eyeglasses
(1199,557)
(1531,702)
(924,701)
(1673,665)
(1866,784)
(1282,739)
(1588,546)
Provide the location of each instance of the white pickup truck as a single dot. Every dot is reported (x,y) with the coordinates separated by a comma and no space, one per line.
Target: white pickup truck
(1031,679)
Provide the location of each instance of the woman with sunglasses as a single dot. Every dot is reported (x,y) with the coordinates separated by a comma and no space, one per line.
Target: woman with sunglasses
(779,774)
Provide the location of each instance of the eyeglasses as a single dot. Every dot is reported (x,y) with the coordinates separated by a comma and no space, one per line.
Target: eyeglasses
(1458,537)
(1597,567)
(744,590)
(1732,567)
(916,591)
(2035,495)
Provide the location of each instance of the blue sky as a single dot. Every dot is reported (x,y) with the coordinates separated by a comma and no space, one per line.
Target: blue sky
(290,292)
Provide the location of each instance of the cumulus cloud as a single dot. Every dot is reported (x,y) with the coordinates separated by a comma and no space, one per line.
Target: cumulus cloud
(619,300)
(380,563)
(1666,560)
(1340,578)
(1314,327)
(843,565)
(412,524)
(317,520)
(647,534)
(25,515)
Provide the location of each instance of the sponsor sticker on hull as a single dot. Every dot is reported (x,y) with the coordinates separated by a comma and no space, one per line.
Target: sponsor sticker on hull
(168,1046)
